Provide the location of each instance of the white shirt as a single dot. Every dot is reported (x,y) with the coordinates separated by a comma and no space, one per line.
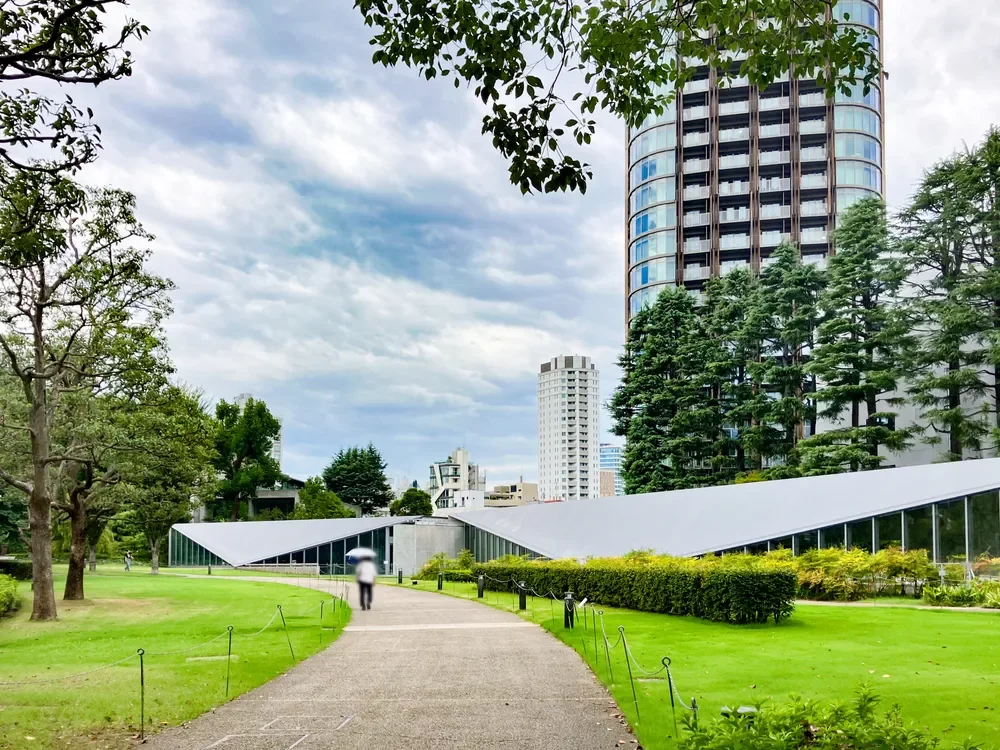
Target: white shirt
(365,572)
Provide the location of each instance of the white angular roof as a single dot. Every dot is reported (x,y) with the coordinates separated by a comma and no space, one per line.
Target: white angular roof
(694,522)
(246,542)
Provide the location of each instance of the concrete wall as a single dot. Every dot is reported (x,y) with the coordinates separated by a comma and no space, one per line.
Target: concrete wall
(414,544)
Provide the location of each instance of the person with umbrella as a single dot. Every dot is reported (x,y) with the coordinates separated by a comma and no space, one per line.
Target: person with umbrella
(364,572)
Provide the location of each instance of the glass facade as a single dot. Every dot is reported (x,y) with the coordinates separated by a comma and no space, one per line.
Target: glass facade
(486,546)
(651,245)
(329,556)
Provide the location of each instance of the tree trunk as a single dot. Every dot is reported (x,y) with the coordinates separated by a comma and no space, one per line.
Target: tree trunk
(77,551)
(43,606)
(871,404)
(154,555)
(955,446)
(93,557)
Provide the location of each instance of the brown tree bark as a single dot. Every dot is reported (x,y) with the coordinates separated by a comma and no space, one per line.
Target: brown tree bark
(43,605)
(154,556)
(92,554)
(77,550)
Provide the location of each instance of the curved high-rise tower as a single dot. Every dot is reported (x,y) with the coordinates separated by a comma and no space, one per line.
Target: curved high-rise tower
(729,171)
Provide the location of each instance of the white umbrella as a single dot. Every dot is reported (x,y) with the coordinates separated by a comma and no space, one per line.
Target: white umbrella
(360,553)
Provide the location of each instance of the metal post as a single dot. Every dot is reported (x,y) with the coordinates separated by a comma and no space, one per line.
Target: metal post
(142,696)
(399,576)
(522,596)
(321,618)
(607,651)
(480,587)
(210,568)
(665,661)
(440,580)
(568,611)
(287,637)
(229,658)
(628,663)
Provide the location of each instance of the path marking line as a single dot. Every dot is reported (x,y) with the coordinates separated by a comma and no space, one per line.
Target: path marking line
(237,736)
(300,739)
(270,723)
(344,723)
(438,626)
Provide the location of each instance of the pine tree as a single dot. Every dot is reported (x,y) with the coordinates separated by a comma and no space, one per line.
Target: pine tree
(667,406)
(860,345)
(785,315)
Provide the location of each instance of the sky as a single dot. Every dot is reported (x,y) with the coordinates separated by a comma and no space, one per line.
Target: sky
(347,247)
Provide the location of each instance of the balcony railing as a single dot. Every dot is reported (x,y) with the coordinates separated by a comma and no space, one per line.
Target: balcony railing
(696,139)
(810,127)
(773,102)
(813,180)
(695,113)
(817,260)
(815,236)
(775,185)
(773,239)
(734,161)
(774,157)
(775,211)
(814,99)
(696,219)
(693,87)
(731,265)
(694,273)
(696,165)
(734,188)
(694,192)
(734,241)
(813,153)
(734,214)
(814,208)
(734,108)
(774,131)
(697,246)
(734,134)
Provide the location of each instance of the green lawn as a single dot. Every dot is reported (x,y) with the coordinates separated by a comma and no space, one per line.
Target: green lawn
(941,667)
(161,614)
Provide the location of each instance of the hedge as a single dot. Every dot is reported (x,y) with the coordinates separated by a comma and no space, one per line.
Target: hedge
(19,570)
(9,599)
(737,589)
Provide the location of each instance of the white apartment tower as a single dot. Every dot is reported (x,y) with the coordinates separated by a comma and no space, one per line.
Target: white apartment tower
(569,402)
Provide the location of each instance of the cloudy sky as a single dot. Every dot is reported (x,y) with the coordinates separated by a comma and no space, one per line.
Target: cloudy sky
(347,247)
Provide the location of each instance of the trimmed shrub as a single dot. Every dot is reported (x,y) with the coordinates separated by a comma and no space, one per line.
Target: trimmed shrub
(739,589)
(806,724)
(9,599)
(847,575)
(19,570)
(459,576)
(974,594)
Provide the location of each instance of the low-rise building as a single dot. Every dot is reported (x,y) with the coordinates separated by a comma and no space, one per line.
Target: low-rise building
(608,477)
(510,495)
(455,475)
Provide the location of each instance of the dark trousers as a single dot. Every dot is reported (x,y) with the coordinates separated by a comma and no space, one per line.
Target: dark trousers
(365,590)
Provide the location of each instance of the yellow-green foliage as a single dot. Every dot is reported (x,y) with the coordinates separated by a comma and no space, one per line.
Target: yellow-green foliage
(8,594)
(737,588)
(847,575)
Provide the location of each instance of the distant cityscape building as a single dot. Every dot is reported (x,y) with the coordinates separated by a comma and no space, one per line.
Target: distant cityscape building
(607,483)
(569,397)
(730,170)
(510,495)
(276,447)
(453,476)
(611,460)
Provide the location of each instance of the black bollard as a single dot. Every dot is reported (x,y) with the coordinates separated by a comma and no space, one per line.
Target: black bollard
(440,581)
(569,610)
(210,568)
(399,576)
(522,596)
(480,587)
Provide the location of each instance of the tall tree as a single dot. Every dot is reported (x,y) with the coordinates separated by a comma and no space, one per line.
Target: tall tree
(414,502)
(80,316)
(785,313)
(243,443)
(619,57)
(860,344)
(50,43)
(951,232)
(357,476)
(667,406)
(13,520)
(316,501)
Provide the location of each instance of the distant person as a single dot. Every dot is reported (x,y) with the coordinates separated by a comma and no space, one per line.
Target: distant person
(128,562)
(365,574)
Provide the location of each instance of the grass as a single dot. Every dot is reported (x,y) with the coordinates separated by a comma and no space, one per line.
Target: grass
(161,614)
(941,667)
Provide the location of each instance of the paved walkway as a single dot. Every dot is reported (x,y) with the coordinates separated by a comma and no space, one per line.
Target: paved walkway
(420,670)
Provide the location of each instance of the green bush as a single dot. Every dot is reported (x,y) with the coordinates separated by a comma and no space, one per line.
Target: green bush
(739,588)
(975,594)
(459,576)
(454,569)
(9,600)
(19,570)
(803,724)
(847,575)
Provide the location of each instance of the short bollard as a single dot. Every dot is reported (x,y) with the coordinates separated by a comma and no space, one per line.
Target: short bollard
(210,568)
(569,610)
(480,587)
(399,577)
(522,596)
(142,695)
(440,581)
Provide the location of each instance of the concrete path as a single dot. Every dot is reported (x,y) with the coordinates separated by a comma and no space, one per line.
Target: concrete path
(420,670)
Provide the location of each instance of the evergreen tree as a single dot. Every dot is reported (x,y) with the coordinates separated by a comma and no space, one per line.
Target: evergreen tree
(414,502)
(667,406)
(243,452)
(951,233)
(860,344)
(784,314)
(357,475)
(316,501)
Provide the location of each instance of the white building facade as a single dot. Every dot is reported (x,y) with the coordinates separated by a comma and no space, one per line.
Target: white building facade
(611,460)
(456,483)
(569,403)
